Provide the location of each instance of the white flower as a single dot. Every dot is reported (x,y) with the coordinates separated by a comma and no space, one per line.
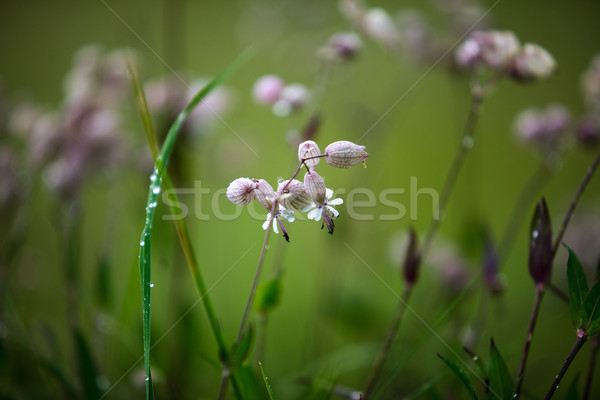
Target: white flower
(283,213)
(315,211)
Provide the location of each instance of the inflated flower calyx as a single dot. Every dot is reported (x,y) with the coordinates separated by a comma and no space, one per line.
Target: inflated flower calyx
(294,196)
(344,154)
(540,245)
(532,62)
(264,194)
(241,191)
(315,187)
(309,149)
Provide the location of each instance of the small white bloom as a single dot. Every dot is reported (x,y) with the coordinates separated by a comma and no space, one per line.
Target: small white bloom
(316,211)
(282,213)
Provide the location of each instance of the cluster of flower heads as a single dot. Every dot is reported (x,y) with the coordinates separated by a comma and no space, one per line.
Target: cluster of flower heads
(502,52)
(284,98)
(310,196)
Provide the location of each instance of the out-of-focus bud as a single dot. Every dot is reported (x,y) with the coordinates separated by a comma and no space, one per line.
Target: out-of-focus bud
(294,196)
(264,194)
(540,245)
(412,260)
(291,98)
(532,62)
(353,10)
(378,24)
(590,84)
(267,89)
(344,154)
(309,149)
(342,46)
(241,191)
(491,276)
(315,187)
(494,49)
(588,130)
(415,35)
(451,268)
(543,128)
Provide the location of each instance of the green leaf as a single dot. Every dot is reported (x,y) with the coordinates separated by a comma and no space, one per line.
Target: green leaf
(590,311)
(249,383)
(240,351)
(501,383)
(268,296)
(578,286)
(87,367)
(572,392)
(462,376)
(267,385)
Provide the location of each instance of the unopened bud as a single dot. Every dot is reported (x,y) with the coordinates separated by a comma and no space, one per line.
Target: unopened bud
(241,191)
(494,49)
(588,130)
(315,187)
(267,89)
(294,196)
(309,149)
(344,46)
(264,194)
(378,24)
(540,245)
(532,62)
(412,260)
(344,154)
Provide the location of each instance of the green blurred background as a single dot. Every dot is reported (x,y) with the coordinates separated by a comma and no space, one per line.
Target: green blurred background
(334,310)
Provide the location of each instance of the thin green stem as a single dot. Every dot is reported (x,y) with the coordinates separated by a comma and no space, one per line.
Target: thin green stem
(586,179)
(581,339)
(384,352)
(465,145)
(539,295)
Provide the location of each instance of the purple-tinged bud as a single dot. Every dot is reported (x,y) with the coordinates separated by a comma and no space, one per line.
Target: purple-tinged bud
(309,149)
(294,196)
(353,10)
(264,194)
(267,89)
(412,260)
(342,46)
(467,54)
(344,154)
(378,24)
(494,49)
(532,62)
(588,130)
(241,191)
(315,187)
(491,277)
(540,245)
(590,84)
(291,98)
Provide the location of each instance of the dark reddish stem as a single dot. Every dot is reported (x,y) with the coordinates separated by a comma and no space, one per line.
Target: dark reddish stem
(581,339)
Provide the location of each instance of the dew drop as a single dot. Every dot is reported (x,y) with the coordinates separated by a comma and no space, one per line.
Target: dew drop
(153,177)
(151,284)
(147,378)
(267,247)
(142,243)
(156,190)
(535,234)
(468,142)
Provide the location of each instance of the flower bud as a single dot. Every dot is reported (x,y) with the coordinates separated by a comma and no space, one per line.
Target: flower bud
(378,24)
(309,149)
(494,49)
(241,191)
(540,245)
(532,62)
(467,54)
(412,260)
(267,89)
(294,196)
(344,154)
(588,130)
(342,46)
(590,84)
(264,194)
(315,187)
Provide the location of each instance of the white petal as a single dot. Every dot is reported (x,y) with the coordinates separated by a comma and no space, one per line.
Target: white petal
(315,214)
(265,225)
(335,202)
(308,207)
(328,193)
(333,211)
(275,226)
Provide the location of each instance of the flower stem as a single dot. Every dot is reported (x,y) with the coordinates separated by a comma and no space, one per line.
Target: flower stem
(586,179)
(581,339)
(595,342)
(539,295)
(465,145)
(387,344)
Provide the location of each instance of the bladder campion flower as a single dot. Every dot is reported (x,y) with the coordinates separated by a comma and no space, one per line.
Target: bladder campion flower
(344,154)
(309,149)
(241,191)
(293,196)
(324,209)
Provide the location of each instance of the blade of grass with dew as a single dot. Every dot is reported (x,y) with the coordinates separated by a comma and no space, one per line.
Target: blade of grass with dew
(462,376)
(267,385)
(156,179)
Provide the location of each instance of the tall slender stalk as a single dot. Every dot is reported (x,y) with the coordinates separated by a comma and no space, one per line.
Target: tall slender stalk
(387,345)
(539,295)
(581,339)
(466,143)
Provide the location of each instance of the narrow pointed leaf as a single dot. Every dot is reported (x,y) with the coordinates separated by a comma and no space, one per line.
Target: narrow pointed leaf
(578,287)
(241,350)
(501,383)
(266,380)
(481,367)
(590,311)
(462,376)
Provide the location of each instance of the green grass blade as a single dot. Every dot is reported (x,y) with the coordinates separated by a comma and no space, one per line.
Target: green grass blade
(501,383)
(156,180)
(267,385)
(578,287)
(590,311)
(462,376)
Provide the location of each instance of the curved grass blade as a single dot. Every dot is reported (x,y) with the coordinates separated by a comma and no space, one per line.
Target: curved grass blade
(501,383)
(267,385)
(590,311)
(154,189)
(462,376)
